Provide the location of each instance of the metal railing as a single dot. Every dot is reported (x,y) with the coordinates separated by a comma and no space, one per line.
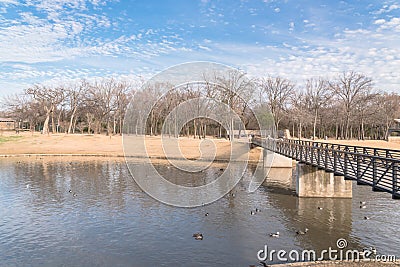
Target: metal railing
(376,167)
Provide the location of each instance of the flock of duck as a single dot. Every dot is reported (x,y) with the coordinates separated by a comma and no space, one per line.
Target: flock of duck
(365,252)
(199,236)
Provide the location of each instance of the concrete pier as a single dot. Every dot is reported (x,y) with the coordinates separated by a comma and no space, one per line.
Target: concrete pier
(278,170)
(314,182)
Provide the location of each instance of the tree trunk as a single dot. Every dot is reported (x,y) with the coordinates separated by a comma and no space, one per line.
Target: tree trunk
(71,120)
(45,129)
(52,121)
(195,129)
(315,124)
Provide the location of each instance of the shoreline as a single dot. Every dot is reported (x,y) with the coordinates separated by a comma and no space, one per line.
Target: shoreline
(29,145)
(161,158)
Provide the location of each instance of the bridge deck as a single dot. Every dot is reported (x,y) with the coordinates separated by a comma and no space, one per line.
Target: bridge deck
(376,167)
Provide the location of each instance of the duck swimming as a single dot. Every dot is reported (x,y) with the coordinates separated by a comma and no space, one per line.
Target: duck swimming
(300,232)
(198,236)
(274,234)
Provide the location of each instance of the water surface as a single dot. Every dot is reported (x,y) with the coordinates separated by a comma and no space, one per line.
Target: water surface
(90,212)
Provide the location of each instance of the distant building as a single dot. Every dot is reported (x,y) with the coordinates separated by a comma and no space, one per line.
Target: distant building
(7,124)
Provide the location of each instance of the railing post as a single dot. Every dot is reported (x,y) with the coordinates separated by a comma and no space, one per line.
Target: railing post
(395,189)
(346,159)
(326,158)
(334,161)
(301,153)
(374,178)
(387,156)
(358,168)
(307,149)
(319,157)
(312,154)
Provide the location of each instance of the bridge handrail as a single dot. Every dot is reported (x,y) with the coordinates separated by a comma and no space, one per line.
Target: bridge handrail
(393,153)
(389,153)
(351,153)
(376,169)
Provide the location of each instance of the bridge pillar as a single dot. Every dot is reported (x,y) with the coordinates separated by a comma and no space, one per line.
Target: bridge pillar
(314,182)
(278,170)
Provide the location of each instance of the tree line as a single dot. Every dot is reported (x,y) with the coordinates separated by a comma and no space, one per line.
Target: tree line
(91,107)
(347,106)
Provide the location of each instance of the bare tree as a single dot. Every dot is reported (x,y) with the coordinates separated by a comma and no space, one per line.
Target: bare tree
(48,98)
(75,95)
(348,88)
(299,112)
(277,92)
(317,96)
(387,109)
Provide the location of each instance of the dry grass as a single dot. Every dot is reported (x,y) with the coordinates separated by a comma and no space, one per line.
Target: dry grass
(111,146)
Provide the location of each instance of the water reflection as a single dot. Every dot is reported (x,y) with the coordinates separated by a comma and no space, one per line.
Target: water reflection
(91,212)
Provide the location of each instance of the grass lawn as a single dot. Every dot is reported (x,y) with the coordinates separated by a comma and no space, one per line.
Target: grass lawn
(4,139)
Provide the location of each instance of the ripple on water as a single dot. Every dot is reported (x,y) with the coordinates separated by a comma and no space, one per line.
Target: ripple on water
(110,221)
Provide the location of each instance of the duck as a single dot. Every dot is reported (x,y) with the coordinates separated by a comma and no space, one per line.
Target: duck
(274,234)
(363,202)
(258,210)
(70,191)
(363,207)
(252,212)
(365,253)
(206,214)
(300,232)
(221,169)
(74,195)
(320,208)
(198,236)
(366,218)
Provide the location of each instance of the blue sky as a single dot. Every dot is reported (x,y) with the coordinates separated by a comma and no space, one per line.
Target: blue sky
(58,41)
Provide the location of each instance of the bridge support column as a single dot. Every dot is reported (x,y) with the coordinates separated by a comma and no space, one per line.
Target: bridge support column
(314,182)
(278,170)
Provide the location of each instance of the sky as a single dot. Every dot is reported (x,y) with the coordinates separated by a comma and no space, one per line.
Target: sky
(58,41)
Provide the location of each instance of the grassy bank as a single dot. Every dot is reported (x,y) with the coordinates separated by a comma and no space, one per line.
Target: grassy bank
(4,139)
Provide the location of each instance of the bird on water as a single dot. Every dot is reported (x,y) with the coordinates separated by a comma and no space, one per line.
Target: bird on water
(274,234)
(300,232)
(198,236)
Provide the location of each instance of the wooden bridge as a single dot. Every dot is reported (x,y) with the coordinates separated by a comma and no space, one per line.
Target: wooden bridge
(375,167)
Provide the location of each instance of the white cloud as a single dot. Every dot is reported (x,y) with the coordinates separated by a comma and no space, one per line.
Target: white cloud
(6,2)
(379,21)
(291,26)
(387,8)
(392,24)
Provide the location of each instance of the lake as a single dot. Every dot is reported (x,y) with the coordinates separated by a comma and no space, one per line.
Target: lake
(90,212)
